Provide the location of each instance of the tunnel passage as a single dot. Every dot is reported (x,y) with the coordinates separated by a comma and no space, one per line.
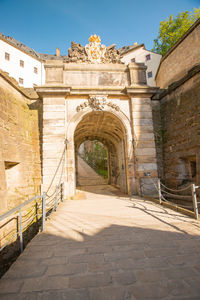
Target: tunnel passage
(106,128)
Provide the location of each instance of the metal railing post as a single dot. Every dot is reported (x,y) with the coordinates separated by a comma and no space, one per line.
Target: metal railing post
(20,230)
(159,191)
(62,192)
(56,202)
(194,199)
(43,210)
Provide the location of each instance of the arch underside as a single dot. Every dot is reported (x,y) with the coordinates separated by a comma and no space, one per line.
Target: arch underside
(109,130)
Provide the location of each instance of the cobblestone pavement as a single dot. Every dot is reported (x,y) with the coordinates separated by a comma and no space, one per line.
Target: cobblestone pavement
(109,247)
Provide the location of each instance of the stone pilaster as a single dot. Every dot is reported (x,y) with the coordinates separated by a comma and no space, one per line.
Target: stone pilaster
(53,139)
(144,144)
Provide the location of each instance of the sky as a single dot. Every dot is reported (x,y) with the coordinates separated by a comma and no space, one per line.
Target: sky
(45,25)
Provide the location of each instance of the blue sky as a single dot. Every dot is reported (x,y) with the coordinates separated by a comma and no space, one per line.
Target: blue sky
(46,24)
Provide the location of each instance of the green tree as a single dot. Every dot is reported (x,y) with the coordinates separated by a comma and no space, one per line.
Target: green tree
(171,30)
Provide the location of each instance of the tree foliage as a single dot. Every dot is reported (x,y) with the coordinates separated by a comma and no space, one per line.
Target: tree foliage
(172,28)
(97,158)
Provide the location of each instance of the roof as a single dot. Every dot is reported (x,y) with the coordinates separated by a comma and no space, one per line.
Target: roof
(124,50)
(20,46)
(42,56)
(27,92)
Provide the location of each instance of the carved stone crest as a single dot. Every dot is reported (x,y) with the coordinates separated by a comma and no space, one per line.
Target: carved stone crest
(97,103)
(95,50)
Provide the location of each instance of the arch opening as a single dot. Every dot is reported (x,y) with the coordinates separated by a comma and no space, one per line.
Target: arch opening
(105,129)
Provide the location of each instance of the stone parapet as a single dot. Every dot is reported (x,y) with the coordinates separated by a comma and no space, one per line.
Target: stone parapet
(137,73)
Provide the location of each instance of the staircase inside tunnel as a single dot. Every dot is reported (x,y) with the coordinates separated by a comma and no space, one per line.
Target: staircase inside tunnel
(106,130)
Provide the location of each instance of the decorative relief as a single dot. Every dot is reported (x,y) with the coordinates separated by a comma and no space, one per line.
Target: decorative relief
(97,103)
(95,50)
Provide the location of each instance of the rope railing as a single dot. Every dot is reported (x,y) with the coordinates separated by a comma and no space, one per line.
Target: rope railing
(24,219)
(178,190)
(175,196)
(44,204)
(162,193)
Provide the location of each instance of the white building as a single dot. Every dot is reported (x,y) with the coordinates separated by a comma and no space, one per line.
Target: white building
(21,62)
(139,54)
(26,65)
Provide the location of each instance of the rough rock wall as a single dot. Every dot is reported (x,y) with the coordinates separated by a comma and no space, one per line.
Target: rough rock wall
(180,119)
(20,165)
(158,133)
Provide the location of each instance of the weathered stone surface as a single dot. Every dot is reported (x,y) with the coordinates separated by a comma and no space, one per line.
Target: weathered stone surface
(77,53)
(177,133)
(45,283)
(19,146)
(67,269)
(11,285)
(89,281)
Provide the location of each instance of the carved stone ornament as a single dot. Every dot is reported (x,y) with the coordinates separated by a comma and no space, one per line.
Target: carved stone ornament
(97,103)
(95,50)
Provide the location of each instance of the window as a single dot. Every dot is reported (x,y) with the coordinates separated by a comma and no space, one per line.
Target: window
(133,59)
(13,178)
(148,57)
(7,56)
(187,170)
(21,63)
(35,70)
(21,80)
(149,74)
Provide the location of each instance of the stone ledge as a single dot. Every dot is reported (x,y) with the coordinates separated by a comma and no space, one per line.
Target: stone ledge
(173,86)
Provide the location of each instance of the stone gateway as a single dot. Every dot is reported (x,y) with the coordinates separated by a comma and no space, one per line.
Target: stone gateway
(92,96)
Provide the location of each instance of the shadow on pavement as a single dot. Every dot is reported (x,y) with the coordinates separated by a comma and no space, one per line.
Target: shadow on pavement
(115,263)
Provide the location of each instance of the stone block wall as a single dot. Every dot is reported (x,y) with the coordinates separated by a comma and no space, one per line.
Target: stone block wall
(158,134)
(20,165)
(180,119)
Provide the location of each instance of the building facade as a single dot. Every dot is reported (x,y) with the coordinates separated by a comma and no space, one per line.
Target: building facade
(21,62)
(139,54)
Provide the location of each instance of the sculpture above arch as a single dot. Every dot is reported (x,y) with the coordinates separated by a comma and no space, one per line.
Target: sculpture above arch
(93,52)
(96,102)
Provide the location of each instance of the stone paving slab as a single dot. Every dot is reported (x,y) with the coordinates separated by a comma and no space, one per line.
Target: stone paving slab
(109,246)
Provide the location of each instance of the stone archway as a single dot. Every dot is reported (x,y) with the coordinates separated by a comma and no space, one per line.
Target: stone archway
(77,90)
(108,129)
